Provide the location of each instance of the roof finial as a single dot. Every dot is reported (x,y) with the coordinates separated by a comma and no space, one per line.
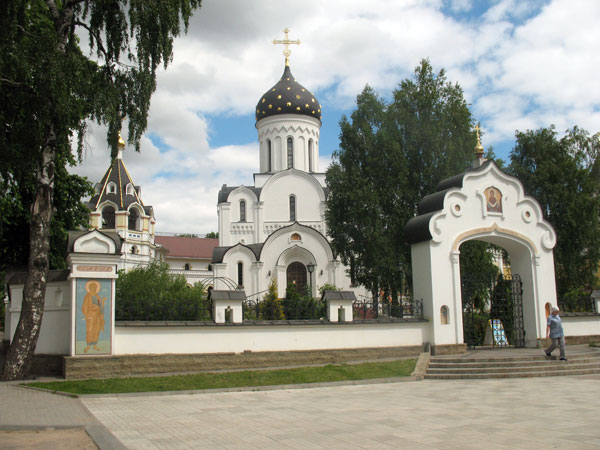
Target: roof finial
(121,146)
(286,43)
(478,148)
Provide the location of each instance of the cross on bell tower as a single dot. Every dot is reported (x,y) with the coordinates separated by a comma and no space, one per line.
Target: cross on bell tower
(286,43)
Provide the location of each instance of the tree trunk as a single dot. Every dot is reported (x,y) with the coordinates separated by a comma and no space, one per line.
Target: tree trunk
(17,365)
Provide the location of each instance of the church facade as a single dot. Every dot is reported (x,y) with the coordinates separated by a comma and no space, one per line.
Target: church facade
(275,230)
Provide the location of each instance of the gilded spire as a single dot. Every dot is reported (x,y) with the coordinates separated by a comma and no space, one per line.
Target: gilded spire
(286,45)
(121,146)
(478,148)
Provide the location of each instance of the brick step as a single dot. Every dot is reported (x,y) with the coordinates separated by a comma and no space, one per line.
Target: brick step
(434,359)
(517,369)
(553,373)
(523,362)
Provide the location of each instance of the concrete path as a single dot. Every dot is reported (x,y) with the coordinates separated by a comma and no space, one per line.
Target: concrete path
(27,409)
(557,412)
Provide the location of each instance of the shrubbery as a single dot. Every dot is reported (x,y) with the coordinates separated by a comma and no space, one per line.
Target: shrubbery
(271,307)
(152,293)
(302,306)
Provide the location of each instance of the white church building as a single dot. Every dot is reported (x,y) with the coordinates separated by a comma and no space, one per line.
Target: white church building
(275,229)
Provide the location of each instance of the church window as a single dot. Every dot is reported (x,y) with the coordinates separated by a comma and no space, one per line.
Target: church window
(290,153)
(108,217)
(310,155)
(444,315)
(269,155)
(134,219)
(111,188)
(130,189)
(292,208)
(134,250)
(240,274)
(186,267)
(242,210)
(296,237)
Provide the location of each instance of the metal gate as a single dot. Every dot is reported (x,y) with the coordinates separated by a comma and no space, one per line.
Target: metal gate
(493,311)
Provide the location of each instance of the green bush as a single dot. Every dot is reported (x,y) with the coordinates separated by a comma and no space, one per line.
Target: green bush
(271,307)
(152,293)
(298,306)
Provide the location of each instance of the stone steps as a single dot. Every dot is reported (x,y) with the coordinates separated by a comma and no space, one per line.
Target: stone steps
(514,366)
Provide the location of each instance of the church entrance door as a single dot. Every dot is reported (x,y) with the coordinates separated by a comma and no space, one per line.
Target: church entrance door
(296,275)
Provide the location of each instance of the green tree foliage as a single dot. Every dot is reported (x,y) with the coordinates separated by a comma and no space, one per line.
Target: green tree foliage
(390,156)
(49,89)
(152,293)
(212,235)
(327,287)
(478,271)
(271,307)
(563,175)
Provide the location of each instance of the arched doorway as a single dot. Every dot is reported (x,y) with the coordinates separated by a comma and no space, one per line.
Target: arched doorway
(297,275)
(492,297)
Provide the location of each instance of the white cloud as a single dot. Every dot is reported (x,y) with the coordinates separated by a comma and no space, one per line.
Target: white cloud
(522,64)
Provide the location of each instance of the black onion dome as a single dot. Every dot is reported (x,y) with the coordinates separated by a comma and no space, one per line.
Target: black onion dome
(288,97)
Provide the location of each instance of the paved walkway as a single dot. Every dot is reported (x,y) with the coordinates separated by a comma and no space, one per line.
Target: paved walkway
(554,412)
(558,412)
(26,409)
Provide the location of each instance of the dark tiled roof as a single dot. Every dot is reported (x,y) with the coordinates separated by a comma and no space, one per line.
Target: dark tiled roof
(288,97)
(53,275)
(226,190)
(118,174)
(219,252)
(228,295)
(187,247)
(74,235)
(417,228)
(338,295)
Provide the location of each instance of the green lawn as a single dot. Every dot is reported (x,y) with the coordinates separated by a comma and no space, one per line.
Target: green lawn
(246,378)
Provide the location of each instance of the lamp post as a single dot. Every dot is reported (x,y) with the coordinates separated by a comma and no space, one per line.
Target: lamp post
(311,269)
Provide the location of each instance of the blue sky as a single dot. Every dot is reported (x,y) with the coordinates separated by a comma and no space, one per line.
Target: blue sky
(522,64)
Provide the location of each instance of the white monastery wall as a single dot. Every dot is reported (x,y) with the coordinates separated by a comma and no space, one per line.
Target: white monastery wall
(581,325)
(219,339)
(55,332)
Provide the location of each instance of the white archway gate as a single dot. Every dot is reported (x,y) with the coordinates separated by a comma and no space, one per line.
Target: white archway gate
(483,203)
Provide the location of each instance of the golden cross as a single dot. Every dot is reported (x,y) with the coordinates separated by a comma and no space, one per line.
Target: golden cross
(477,130)
(286,42)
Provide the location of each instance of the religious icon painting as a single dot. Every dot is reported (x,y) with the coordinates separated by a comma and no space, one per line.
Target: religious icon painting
(93,317)
(493,199)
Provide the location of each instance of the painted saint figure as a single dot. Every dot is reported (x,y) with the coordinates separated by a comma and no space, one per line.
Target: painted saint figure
(494,200)
(93,311)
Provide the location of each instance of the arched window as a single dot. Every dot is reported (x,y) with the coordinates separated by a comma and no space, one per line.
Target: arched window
(186,267)
(269,156)
(444,315)
(240,275)
(292,208)
(310,156)
(111,188)
(108,217)
(134,219)
(130,190)
(290,153)
(242,210)
(134,250)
